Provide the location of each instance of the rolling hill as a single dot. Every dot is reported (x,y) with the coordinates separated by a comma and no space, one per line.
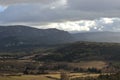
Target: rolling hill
(81,51)
(24,35)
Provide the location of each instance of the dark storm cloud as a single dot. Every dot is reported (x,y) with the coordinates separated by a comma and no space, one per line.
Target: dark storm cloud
(94,5)
(34,12)
(37,12)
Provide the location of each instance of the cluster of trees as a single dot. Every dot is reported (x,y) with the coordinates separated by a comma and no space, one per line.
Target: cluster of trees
(40,68)
(46,69)
(84,51)
(102,77)
(94,70)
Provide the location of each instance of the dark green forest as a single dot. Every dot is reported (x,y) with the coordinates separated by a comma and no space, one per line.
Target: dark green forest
(84,51)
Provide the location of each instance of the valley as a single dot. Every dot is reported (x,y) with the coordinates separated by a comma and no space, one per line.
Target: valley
(47,57)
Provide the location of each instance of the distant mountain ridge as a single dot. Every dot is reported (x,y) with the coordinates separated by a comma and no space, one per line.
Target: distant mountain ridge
(24,35)
(98,36)
(18,35)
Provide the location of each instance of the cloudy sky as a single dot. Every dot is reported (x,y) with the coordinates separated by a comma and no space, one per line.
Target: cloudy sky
(69,15)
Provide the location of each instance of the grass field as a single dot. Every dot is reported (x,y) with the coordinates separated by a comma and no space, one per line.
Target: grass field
(45,77)
(25,77)
(84,64)
(90,64)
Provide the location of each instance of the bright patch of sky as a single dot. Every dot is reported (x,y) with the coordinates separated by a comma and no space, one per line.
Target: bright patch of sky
(101,24)
(2,9)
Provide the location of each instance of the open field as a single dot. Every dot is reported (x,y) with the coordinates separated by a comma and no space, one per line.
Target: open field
(81,64)
(25,77)
(19,66)
(90,64)
(45,77)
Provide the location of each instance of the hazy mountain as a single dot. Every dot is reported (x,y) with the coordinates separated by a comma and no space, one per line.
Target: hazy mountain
(24,35)
(98,36)
(18,35)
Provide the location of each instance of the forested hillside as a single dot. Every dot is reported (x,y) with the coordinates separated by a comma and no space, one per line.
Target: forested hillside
(84,51)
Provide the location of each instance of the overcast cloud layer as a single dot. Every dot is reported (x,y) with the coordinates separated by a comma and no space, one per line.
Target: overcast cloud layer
(102,24)
(69,15)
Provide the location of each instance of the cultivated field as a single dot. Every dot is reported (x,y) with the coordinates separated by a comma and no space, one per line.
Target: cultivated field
(46,76)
